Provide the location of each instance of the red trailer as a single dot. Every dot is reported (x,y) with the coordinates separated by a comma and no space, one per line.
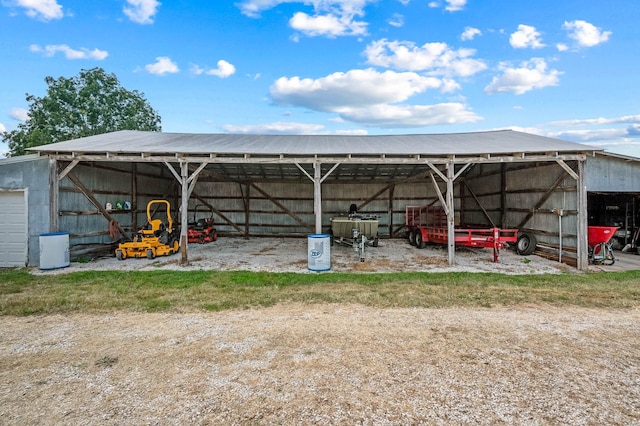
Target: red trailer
(428,224)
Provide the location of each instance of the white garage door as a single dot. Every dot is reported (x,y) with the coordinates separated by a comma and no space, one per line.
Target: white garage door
(13,228)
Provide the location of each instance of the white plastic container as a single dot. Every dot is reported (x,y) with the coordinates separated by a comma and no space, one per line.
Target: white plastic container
(54,250)
(319,252)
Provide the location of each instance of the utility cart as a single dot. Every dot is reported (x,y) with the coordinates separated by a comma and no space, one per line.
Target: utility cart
(356,230)
(428,224)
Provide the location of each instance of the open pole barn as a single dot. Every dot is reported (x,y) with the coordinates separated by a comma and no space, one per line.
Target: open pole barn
(97,188)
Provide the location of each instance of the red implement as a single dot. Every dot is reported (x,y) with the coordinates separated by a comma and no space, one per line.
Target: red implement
(600,234)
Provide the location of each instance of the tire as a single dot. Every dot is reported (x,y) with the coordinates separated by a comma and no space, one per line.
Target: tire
(419,241)
(120,254)
(526,244)
(376,241)
(412,237)
(150,254)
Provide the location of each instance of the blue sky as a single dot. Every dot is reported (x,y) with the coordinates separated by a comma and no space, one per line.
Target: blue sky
(565,69)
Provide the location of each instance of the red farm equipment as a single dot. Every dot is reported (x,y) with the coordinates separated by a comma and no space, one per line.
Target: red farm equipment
(201,230)
(600,250)
(428,224)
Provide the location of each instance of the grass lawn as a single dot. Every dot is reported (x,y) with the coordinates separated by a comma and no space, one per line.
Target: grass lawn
(190,291)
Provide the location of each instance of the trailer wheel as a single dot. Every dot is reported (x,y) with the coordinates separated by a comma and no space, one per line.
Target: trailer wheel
(526,244)
(419,241)
(412,237)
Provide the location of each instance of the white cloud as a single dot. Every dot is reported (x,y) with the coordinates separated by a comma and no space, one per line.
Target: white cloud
(562,47)
(470,33)
(331,18)
(163,65)
(526,36)
(277,128)
(366,97)
(530,75)
(436,58)
(69,53)
(411,115)
(289,128)
(586,34)
(589,135)
(327,25)
(626,119)
(19,114)
(224,70)
(451,5)
(141,11)
(357,88)
(455,5)
(44,10)
(397,20)
(2,128)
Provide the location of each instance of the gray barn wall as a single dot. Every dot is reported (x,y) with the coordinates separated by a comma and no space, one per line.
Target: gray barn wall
(267,218)
(612,174)
(525,185)
(109,183)
(31,173)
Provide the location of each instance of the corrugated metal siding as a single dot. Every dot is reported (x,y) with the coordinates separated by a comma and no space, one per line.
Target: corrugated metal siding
(612,174)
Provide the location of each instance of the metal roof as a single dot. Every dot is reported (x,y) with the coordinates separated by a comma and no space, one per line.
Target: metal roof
(477,143)
(280,157)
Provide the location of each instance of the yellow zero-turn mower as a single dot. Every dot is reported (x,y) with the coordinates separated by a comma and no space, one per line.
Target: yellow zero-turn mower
(153,239)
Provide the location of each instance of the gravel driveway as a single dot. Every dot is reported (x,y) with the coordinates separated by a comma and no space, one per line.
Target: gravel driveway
(324,364)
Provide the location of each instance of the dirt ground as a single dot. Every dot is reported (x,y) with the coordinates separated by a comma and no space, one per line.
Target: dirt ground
(324,364)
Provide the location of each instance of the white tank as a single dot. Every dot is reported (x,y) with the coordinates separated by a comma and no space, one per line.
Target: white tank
(54,250)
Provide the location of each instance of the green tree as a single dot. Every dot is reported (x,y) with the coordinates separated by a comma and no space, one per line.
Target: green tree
(89,104)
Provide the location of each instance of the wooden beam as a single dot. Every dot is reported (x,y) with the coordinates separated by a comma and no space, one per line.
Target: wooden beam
(543,199)
(218,212)
(281,206)
(493,225)
(87,193)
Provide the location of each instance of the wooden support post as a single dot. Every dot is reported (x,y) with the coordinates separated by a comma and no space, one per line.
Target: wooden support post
(391,194)
(503,195)
(184,205)
(317,196)
(451,234)
(581,231)
(246,201)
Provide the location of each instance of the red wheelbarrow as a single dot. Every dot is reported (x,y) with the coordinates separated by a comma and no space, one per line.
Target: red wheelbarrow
(600,251)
